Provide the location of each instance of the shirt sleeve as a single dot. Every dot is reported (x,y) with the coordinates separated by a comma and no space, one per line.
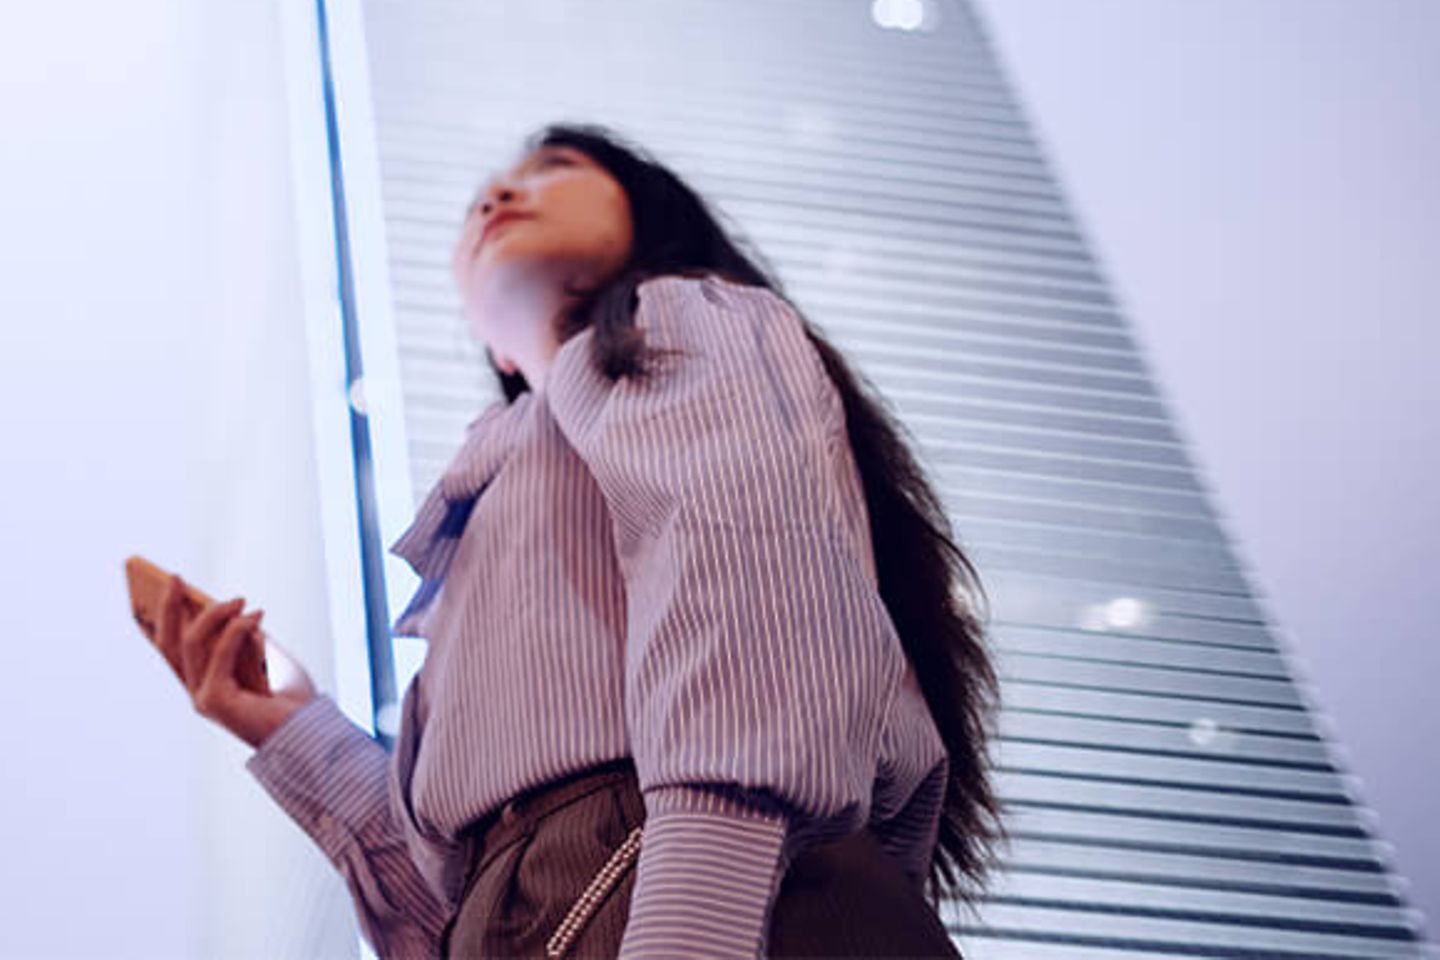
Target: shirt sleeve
(332,778)
(760,662)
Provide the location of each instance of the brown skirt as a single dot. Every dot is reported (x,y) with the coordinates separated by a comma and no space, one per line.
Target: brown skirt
(537,857)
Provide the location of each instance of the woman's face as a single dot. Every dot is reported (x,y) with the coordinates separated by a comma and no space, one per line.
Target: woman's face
(572,225)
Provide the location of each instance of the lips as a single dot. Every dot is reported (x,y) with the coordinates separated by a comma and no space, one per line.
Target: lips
(499,222)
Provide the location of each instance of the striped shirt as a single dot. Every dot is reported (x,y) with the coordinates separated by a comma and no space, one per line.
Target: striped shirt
(678,570)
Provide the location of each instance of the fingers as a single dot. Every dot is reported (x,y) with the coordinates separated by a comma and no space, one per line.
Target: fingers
(218,679)
(168,621)
(197,638)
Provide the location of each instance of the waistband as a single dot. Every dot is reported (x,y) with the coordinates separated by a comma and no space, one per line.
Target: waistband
(495,832)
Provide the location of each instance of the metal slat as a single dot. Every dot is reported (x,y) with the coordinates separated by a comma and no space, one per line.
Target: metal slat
(1177,739)
(1121,895)
(1141,651)
(1199,772)
(978,947)
(1180,803)
(1143,705)
(1180,616)
(1175,868)
(1293,846)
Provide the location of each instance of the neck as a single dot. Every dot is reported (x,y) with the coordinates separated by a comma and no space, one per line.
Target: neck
(524,318)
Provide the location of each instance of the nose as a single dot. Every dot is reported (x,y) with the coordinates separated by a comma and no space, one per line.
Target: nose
(495,195)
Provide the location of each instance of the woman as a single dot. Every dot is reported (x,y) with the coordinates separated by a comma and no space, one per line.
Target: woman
(699,680)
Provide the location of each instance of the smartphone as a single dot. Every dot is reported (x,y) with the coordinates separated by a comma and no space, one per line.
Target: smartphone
(147,583)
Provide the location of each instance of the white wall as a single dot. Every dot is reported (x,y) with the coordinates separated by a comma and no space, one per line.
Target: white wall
(1259,180)
(153,399)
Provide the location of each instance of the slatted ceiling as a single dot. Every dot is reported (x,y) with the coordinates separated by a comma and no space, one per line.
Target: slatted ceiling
(1171,795)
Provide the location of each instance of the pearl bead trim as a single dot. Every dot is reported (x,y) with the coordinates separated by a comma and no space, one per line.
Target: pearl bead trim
(600,885)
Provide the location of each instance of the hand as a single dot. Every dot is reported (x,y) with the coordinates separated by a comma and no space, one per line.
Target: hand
(203,654)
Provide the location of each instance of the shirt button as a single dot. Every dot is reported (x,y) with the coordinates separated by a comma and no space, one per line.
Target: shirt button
(508,813)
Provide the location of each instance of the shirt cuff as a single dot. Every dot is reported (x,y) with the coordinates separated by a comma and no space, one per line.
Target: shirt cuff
(710,865)
(327,773)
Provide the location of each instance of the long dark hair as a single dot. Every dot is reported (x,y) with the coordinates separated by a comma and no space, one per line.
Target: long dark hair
(929,587)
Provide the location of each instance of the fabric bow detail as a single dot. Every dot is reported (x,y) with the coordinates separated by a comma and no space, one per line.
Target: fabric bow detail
(430,542)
